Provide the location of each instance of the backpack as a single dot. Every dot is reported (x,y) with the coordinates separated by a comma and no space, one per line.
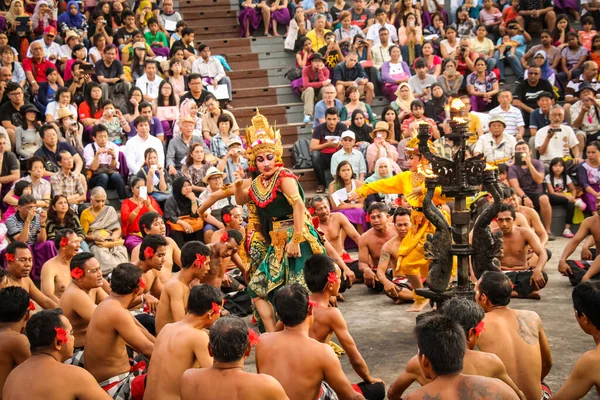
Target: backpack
(301,154)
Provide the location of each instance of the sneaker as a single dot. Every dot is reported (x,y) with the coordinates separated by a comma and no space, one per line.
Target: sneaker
(581,204)
(551,237)
(567,233)
(518,81)
(307,118)
(502,82)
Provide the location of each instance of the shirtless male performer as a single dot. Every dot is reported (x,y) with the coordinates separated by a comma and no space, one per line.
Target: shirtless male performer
(441,347)
(371,243)
(398,289)
(19,263)
(14,346)
(56,274)
(517,241)
(112,330)
(79,300)
(152,223)
(585,375)
(153,252)
(43,375)
(469,315)
(323,279)
(221,252)
(306,368)
(232,219)
(516,336)
(229,343)
(184,344)
(195,259)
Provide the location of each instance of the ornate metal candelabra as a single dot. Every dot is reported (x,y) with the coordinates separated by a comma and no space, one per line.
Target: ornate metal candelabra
(459,178)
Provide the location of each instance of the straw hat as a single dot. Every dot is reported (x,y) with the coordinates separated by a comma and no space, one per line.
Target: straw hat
(212,171)
(381,126)
(64,112)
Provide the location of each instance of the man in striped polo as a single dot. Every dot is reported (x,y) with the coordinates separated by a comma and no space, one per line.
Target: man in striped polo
(513,117)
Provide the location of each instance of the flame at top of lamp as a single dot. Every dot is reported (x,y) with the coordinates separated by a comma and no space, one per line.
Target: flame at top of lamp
(457,105)
(459,120)
(490,167)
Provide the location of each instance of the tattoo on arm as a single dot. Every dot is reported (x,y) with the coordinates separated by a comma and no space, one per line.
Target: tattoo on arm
(528,327)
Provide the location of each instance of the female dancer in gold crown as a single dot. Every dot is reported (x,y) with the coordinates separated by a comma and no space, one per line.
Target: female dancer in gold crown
(411,183)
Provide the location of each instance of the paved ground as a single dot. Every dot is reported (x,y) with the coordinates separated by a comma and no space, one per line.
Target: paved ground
(384,331)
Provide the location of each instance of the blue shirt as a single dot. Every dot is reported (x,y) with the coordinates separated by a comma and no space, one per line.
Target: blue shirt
(320,109)
(538,120)
(521,48)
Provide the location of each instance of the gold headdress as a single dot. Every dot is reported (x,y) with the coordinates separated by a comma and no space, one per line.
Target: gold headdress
(260,137)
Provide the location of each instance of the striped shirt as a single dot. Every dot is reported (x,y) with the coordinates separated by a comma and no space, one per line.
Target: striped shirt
(15,225)
(512,117)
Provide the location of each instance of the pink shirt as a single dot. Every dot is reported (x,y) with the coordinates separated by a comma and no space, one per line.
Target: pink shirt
(586,38)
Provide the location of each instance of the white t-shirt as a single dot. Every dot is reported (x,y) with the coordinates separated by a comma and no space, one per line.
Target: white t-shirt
(52,108)
(559,183)
(560,144)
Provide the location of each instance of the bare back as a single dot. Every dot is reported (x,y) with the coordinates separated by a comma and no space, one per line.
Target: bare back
(14,349)
(321,329)
(74,299)
(461,387)
(174,291)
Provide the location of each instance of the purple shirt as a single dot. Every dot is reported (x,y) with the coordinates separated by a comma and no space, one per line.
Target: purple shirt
(523,175)
(156,128)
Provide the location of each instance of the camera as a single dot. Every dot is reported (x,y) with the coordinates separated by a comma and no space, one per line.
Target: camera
(519,158)
(463,49)
(111,112)
(552,131)
(73,123)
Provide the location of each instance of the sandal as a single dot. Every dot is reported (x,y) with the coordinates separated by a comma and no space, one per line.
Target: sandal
(320,189)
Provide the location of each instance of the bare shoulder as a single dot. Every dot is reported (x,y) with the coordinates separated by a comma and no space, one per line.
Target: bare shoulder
(13,340)
(171,242)
(413,365)
(529,325)
(479,387)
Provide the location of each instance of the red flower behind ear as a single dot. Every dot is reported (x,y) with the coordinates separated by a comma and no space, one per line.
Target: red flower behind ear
(200,260)
(9,257)
(479,328)
(64,242)
(315,222)
(368,218)
(31,306)
(227,218)
(224,237)
(61,335)
(311,210)
(332,277)
(312,304)
(253,337)
(215,308)
(148,252)
(142,284)
(77,273)
(399,201)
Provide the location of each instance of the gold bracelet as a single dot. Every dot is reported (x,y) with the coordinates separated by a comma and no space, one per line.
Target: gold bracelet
(227,190)
(298,237)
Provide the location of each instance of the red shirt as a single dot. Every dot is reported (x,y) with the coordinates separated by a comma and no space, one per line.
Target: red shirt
(85,112)
(127,207)
(38,70)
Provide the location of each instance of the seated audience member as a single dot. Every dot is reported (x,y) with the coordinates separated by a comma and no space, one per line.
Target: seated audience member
(196,92)
(323,279)
(66,182)
(63,98)
(251,14)
(166,108)
(344,182)
(404,97)
(280,353)
(323,145)
(80,298)
(232,161)
(515,38)
(526,177)
(19,264)
(230,342)
(527,279)
(314,78)
(348,153)
(527,91)
(526,355)
(173,304)
(9,167)
(483,46)
(329,101)
(40,187)
(513,118)
(354,103)
(213,181)
(362,131)
(380,148)
(552,52)
(149,82)
(181,213)
(11,199)
(136,146)
(183,344)
(384,169)
(482,86)
(14,313)
(102,159)
(176,78)
(109,72)
(78,84)
(421,82)
(28,225)
(410,39)
(395,285)
(496,146)
(50,149)
(186,44)
(210,121)
(380,52)
(90,110)
(317,34)
(156,39)
(416,117)
(331,52)
(102,228)
(540,117)
(211,70)
(47,90)
(394,72)
(560,186)
(61,216)
(436,107)
(179,146)
(540,59)
(556,139)
(584,376)
(49,335)
(111,329)
(55,272)
(584,115)
(588,176)
(351,73)
(9,111)
(196,166)
(27,140)
(442,347)
(131,211)
(115,123)
(156,129)
(158,183)
(573,57)
(35,67)
(589,75)
(70,129)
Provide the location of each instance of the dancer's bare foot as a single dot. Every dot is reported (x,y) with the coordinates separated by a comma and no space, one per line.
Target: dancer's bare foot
(514,294)
(418,305)
(534,295)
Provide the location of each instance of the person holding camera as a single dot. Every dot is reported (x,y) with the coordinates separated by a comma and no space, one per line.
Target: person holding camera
(69,129)
(465,58)
(556,139)
(585,115)
(102,160)
(78,83)
(233,160)
(115,123)
(332,54)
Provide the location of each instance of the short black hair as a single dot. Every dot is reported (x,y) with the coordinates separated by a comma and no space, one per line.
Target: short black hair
(496,286)
(202,46)
(60,235)
(189,251)
(545,94)
(14,246)
(100,127)
(33,160)
(59,154)
(420,63)
(210,96)
(151,21)
(143,104)
(331,111)
(186,31)
(316,269)
(127,13)
(202,297)
(507,207)
(400,211)
(418,103)
(125,278)
(235,235)
(44,128)
(79,260)
(227,210)
(378,206)
(228,338)
(14,303)
(443,342)
(152,241)
(140,119)
(146,221)
(464,312)
(291,304)
(20,186)
(40,329)
(193,76)
(586,300)
(26,200)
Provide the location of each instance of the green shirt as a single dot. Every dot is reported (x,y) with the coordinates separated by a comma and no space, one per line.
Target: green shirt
(160,37)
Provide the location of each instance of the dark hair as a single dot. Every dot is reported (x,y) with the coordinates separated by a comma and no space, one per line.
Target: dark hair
(502,168)
(202,297)
(316,270)
(464,312)
(63,233)
(88,98)
(144,104)
(291,303)
(152,241)
(60,153)
(587,20)
(339,183)
(202,46)
(546,94)
(228,338)
(146,221)
(594,143)
(44,128)
(26,200)
(189,160)
(405,19)
(193,76)
(522,143)
(417,104)
(378,206)
(496,286)
(225,118)
(235,235)
(186,31)
(149,151)
(161,99)
(96,37)
(400,211)
(68,220)
(586,300)
(130,106)
(397,124)
(134,180)
(62,90)
(77,47)
(14,246)
(125,278)
(420,63)
(331,111)
(151,21)
(100,127)
(12,86)
(443,342)
(40,329)
(14,303)
(140,119)
(210,96)
(127,13)
(189,252)
(506,207)
(20,186)
(79,260)
(226,210)
(555,161)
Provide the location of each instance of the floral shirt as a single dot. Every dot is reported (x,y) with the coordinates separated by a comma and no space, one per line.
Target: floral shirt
(482,87)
